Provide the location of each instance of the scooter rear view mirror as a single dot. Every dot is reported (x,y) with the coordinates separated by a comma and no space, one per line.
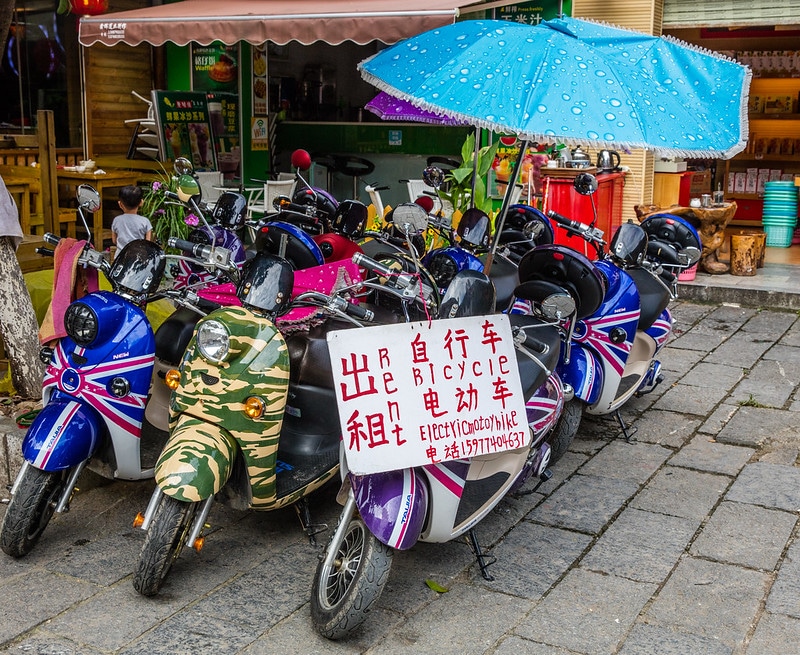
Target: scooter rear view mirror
(182,166)
(88,198)
(691,254)
(410,218)
(585,184)
(433,176)
(558,306)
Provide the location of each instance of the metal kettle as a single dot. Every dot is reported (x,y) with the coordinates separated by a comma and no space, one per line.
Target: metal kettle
(608,161)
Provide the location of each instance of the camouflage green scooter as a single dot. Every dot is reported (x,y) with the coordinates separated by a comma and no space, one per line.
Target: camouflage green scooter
(234,433)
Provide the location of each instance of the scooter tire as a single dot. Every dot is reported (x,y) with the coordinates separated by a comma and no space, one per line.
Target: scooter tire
(31,509)
(565,429)
(163,544)
(343,594)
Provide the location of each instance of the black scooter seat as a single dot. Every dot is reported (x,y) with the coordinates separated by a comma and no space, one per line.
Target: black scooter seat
(653,296)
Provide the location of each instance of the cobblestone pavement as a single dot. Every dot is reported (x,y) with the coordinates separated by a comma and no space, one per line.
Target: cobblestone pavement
(683,542)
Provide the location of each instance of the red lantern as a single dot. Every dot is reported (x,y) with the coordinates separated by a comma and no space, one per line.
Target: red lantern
(88,7)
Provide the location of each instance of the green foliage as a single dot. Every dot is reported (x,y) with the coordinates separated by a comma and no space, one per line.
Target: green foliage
(167,216)
(459,180)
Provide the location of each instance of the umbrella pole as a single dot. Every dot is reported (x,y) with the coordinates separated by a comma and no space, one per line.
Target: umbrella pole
(512,184)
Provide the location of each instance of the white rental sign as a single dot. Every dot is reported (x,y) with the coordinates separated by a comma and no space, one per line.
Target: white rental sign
(420,393)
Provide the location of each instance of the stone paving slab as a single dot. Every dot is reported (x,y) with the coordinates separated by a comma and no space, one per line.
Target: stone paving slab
(685,541)
(587,613)
(745,534)
(712,600)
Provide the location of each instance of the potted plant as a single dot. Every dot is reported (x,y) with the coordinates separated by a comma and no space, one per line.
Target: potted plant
(459,181)
(168,217)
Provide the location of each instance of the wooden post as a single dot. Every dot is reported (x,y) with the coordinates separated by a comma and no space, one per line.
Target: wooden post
(45,130)
(744,257)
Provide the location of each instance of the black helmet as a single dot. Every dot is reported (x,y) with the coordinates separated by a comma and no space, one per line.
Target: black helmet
(266,283)
(629,244)
(230,209)
(138,268)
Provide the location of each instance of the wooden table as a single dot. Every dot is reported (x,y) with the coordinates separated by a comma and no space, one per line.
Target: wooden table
(710,223)
(111,179)
(20,189)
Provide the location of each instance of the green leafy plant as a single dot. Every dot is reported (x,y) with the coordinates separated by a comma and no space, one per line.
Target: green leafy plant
(459,180)
(168,217)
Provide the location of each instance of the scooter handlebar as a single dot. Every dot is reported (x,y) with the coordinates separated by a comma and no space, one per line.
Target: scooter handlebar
(576,227)
(52,239)
(360,259)
(199,250)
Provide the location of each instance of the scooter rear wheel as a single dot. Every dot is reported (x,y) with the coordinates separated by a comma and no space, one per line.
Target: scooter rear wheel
(163,544)
(344,593)
(565,429)
(30,509)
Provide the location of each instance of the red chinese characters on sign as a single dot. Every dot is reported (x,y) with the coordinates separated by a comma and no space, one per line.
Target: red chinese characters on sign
(421,393)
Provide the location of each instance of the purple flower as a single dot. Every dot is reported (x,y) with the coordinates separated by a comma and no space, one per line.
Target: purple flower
(191,219)
(160,212)
(156,186)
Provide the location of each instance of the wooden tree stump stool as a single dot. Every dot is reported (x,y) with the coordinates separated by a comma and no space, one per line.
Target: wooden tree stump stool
(744,254)
(710,223)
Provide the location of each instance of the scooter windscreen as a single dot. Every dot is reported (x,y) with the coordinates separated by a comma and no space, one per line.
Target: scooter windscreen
(471,293)
(629,244)
(230,210)
(350,218)
(474,228)
(138,268)
(266,284)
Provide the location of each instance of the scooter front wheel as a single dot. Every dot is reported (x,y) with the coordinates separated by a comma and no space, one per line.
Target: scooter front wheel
(163,544)
(344,592)
(31,509)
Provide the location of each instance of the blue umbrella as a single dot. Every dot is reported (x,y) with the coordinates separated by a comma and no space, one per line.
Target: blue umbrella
(573,82)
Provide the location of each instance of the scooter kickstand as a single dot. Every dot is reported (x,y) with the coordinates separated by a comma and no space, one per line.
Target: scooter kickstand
(628,434)
(304,514)
(483,562)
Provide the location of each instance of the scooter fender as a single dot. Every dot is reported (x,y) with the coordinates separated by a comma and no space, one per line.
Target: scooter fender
(196,461)
(65,433)
(661,329)
(584,373)
(392,505)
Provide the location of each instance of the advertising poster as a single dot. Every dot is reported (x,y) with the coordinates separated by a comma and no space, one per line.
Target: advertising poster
(215,67)
(185,128)
(223,111)
(260,86)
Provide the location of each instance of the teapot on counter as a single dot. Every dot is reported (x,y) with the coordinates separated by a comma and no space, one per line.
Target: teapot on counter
(580,158)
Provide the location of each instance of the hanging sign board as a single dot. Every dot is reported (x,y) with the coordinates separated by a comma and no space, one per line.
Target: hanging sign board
(426,392)
(533,13)
(215,67)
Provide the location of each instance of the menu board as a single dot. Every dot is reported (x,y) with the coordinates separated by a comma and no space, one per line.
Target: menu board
(184,127)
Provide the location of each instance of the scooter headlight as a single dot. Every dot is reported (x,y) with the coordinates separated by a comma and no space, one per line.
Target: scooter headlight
(213,340)
(80,322)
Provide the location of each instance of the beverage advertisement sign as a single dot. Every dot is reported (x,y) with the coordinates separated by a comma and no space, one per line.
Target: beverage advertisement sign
(421,393)
(185,128)
(215,67)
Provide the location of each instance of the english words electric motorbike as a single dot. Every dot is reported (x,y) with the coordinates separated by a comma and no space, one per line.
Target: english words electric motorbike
(253,420)
(623,320)
(438,502)
(96,412)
